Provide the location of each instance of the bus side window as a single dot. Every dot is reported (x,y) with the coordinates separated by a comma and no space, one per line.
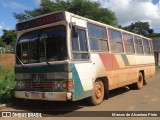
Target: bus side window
(115,40)
(97,38)
(128,43)
(139,47)
(146,46)
(79,46)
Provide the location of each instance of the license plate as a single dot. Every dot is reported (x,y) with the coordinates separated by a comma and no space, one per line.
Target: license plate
(36,95)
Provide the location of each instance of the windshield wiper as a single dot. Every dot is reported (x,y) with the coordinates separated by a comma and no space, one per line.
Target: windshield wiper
(19,60)
(47,62)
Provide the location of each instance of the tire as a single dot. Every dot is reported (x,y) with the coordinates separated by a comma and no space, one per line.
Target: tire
(97,94)
(139,83)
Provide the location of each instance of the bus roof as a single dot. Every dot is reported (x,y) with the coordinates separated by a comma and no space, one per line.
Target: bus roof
(80,17)
(103,24)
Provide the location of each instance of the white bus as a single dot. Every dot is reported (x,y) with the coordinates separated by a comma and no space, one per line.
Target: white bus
(61,56)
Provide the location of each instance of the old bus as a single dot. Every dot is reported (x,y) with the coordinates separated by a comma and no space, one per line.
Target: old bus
(61,56)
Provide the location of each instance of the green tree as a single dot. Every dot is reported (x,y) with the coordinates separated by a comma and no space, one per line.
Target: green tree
(85,8)
(142,28)
(9,37)
(155,35)
(2,44)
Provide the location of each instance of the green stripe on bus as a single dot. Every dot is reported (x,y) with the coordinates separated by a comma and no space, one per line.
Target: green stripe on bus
(42,68)
(79,92)
(125,59)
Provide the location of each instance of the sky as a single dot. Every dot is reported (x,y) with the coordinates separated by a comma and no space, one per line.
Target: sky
(127,11)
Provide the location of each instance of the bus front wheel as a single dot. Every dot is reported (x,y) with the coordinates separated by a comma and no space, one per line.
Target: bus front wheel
(97,94)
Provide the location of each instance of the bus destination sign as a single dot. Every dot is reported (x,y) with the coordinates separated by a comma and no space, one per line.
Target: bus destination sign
(52,18)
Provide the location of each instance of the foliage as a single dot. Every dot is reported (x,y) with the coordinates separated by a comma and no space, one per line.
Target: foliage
(85,8)
(157,68)
(2,44)
(142,28)
(7,85)
(0,67)
(9,37)
(155,35)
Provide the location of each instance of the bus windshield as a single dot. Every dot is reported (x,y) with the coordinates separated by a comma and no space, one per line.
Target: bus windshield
(44,45)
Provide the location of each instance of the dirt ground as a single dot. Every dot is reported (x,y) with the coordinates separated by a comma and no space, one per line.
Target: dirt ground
(7,60)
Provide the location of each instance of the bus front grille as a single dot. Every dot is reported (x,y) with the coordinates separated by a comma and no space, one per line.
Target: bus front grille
(41,81)
(39,86)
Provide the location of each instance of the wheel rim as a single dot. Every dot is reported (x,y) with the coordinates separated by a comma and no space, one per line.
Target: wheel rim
(98,91)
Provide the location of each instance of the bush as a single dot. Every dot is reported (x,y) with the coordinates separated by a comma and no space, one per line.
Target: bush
(0,67)
(157,68)
(7,85)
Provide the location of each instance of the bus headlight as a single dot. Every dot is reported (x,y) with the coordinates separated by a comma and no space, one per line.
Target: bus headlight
(58,85)
(64,85)
(20,84)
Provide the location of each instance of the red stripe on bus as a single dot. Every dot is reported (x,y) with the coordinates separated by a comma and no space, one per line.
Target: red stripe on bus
(109,61)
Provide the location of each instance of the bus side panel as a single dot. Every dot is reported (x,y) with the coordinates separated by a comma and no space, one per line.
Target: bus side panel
(139,63)
(119,69)
(111,69)
(148,65)
(125,74)
(131,69)
(116,65)
(82,80)
(106,65)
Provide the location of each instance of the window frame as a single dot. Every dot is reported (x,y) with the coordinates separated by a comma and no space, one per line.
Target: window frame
(112,40)
(138,45)
(146,46)
(128,44)
(99,39)
(80,52)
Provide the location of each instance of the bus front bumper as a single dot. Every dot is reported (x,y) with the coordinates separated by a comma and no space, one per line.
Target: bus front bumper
(51,96)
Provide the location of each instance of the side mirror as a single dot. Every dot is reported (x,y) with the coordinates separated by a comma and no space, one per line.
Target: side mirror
(74,29)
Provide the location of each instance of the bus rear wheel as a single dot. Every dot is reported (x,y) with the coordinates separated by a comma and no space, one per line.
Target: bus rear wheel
(140,81)
(97,94)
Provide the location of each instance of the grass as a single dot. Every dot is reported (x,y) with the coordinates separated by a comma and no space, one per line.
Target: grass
(7,85)
(157,68)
